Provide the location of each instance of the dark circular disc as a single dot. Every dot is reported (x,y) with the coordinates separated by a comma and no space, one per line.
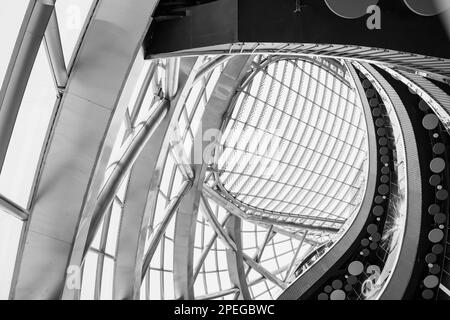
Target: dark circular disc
(355,268)
(435,269)
(370,93)
(439,148)
(437,249)
(382,141)
(383,189)
(378,211)
(374,102)
(350,9)
(366,84)
(440,218)
(383,151)
(430,258)
(427,294)
(376,112)
(348,288)
(337,284)
(385,159)
(431,281)
(373,246)
(381,131)
(322,296)
(430,121)
(437,165)
(328,289)
(434,180)
(384,179)
(379,122)
(385,170)
(337,295)
(379,199)
(423,105)
(372,228)
(442,195)
(435,235)
(365,252)
(365,242)
(427,8)
(433,209)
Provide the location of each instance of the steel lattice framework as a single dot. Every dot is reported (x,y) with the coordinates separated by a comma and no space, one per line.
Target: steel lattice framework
(117,194)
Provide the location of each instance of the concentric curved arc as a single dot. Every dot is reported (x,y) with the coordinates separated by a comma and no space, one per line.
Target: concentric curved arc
(328,259)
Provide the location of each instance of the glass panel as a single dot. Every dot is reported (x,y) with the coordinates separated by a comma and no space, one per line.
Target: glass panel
(11,17)
(71,16)
(29,133)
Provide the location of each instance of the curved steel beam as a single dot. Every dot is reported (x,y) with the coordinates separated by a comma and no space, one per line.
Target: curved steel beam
(235,258)
(141,195)
(402,271)
(223,192)
(186,218)
(436,98)
(89,116)
(236,210)
(301,285)
(120,170)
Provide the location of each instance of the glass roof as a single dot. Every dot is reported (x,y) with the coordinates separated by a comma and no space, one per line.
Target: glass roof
(294,147)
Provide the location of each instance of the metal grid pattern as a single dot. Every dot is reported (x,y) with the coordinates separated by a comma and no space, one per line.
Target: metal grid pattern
(296,143)
(213,276)
(275,252)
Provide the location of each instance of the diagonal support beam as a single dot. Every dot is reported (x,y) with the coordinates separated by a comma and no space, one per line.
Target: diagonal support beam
(55,53)
(231,245)
(207,249)
(20,66)
(158,234)
(234,209)
(215,224)
(142,193)
(263,271)
(269,236)
(294,259)
(122,168)
(13,209)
